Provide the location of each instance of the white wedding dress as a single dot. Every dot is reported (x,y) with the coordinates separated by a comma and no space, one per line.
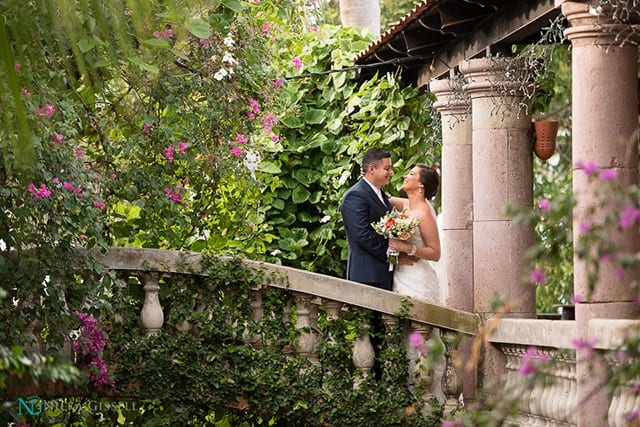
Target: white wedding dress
(420,281)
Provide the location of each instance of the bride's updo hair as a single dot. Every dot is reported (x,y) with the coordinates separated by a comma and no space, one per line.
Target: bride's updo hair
(430,179)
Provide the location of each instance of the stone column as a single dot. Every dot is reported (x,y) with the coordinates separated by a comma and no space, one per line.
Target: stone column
(457,191)
(502,175)
(605,115)
(454,106)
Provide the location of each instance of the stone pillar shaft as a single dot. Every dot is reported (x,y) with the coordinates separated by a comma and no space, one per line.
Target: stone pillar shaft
(454,106)
(605,114)
(502,175)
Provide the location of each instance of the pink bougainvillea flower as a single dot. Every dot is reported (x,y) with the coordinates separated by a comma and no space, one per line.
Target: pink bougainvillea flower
(530,360)
(39,193)
(297,62)
(84,236)
(176,196)
(275,138)
(166,33)
(416,339)
(537,276)
(315,29)
(56,180)
(168,153)
(182,147)
(608,174)
(205,44)
(584,227)
(590,167)
(544,204)
(278,82)
(241,138)
(266,28)
(57,138)
(255,105)
(633,415)
(95,175)
(235,151)
(98,204)
(147,128)
(79,153)
(25,92)
(47,111)
(629,216)
(269,120)
(577,298)
(17,67)
(581,344)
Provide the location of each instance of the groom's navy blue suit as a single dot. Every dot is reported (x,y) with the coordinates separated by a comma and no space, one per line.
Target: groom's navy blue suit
(367,262)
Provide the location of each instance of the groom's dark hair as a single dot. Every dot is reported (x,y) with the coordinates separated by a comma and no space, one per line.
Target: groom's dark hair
(373,158)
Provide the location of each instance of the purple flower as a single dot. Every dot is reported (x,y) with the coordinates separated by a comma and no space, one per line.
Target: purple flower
(297,62)
(47,111)
(530,361)
(537,276)
(584,227)
(608,174)
(57,138)
(168,153)
(589,167)
(629,216)
(544,204)
(39,193)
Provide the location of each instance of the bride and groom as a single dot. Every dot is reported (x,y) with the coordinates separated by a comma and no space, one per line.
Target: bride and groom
(365,203)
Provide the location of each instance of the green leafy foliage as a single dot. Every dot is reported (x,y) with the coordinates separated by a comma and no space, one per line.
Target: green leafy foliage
(329,121)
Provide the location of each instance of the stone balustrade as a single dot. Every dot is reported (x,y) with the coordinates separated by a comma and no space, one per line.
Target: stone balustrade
(310,291)
(550,399)
(543,346)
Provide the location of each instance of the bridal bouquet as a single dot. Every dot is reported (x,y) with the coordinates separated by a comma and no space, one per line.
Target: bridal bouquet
(397,225)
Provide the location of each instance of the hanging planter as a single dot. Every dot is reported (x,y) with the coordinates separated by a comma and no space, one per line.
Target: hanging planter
(545,132)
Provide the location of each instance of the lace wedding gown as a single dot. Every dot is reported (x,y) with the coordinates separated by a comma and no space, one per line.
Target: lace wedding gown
(420,281)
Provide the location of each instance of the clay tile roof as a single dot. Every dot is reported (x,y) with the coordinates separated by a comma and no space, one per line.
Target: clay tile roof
(442,30)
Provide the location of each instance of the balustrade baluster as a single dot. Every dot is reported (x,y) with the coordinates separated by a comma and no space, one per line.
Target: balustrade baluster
(151,314)
(452,378)
(363,355)
(306,342)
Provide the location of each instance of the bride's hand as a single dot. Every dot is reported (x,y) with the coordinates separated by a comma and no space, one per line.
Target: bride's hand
(399,245)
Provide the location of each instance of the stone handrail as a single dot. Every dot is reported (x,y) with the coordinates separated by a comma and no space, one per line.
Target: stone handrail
(553,402)
(336,289)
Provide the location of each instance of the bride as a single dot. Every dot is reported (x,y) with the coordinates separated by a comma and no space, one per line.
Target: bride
(415,276)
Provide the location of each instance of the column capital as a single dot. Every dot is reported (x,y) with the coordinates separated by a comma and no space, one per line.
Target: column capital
(598,25)
(451,99)
(495,76)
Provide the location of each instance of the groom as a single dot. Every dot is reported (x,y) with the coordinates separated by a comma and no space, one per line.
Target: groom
(361,205)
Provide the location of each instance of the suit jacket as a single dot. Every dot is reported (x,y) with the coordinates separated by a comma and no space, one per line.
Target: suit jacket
(367,262)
